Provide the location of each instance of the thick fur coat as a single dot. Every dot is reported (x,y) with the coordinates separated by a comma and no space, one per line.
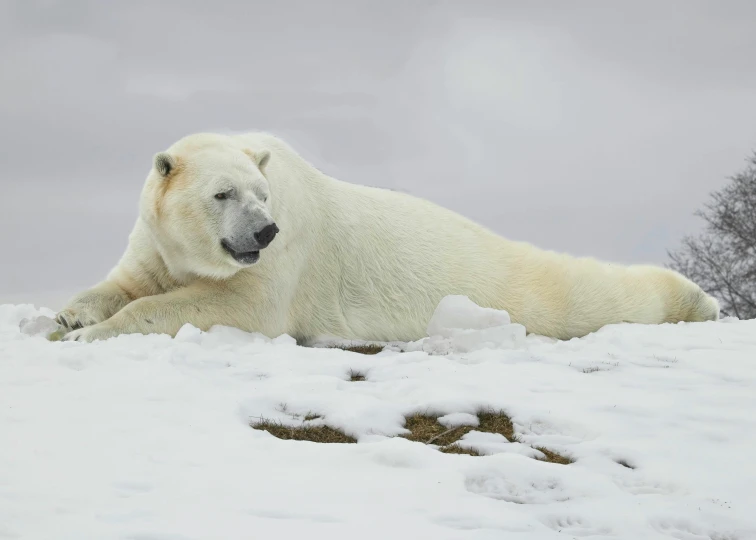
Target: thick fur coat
(349,261)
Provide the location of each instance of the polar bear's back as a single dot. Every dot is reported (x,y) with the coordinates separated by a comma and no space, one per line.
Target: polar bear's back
(395,257)
(376,263)
(399,256)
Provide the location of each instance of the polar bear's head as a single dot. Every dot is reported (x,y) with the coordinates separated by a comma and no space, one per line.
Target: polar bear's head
(208,203)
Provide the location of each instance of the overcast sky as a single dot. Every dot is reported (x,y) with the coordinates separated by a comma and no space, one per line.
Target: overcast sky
(591,127)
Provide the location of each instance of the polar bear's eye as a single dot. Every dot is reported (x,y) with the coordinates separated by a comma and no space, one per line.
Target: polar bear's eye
(221,196)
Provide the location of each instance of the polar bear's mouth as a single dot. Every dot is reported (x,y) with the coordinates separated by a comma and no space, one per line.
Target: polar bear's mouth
(243,257)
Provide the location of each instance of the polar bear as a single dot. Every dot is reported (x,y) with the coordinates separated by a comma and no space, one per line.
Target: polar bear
(239,230)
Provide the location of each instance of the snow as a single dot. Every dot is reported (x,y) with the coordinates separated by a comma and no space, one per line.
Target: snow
(459,326)
(148,437)
(40,325)
(458,419)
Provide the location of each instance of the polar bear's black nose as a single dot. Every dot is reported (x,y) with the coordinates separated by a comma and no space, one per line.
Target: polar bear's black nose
(266,235)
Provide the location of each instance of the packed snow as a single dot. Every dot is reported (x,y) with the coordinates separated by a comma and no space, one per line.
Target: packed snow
(149,437)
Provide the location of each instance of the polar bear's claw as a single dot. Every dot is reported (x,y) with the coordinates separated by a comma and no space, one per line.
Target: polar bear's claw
(74,319)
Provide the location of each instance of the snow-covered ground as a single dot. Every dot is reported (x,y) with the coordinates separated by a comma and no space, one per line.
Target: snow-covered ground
(148,438)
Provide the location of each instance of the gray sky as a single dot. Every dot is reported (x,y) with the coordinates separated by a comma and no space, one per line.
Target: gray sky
(591,127)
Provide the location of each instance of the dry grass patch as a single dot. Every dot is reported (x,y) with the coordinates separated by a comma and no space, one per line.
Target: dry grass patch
(426,429)
(496,422)
(318,434)
(457,449)
(356,376)
(363,349)
(553,457)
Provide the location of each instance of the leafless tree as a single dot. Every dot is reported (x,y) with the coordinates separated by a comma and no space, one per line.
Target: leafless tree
(722,259)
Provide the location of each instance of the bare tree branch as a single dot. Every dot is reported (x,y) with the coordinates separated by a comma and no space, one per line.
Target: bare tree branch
(722,260)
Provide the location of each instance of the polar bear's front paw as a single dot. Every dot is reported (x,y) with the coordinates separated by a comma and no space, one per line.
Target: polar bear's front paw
(88,334)
(91,307)
(74,318)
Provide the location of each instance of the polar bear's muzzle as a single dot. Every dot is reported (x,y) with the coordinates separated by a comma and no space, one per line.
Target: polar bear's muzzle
(247,250)
(243,257)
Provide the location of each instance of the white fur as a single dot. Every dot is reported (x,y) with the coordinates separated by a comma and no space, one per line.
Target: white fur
(350,261)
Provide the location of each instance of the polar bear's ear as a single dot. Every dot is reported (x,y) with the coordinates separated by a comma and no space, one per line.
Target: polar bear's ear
(164,163)
(260,158)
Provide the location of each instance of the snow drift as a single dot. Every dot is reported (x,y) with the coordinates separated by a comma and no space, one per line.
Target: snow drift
(148,437)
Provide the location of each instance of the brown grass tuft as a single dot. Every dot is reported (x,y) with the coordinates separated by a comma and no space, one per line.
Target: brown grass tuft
(363,349)
(492,421)
(318,434)
(553,457)
(457,449)
(424,428)
(356,376)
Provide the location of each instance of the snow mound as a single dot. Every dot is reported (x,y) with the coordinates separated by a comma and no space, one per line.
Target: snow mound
(458,419)
(459,325)
(148,437)
(40,325)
